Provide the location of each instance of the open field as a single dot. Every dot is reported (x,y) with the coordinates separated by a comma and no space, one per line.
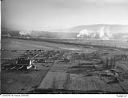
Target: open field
(64,67)
(34,43)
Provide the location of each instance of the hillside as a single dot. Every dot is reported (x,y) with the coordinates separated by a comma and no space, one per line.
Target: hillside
(118,32)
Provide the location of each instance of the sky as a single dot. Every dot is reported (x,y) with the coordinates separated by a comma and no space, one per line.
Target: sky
(61,14)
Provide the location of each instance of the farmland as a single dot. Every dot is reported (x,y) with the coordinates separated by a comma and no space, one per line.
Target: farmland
(64,67)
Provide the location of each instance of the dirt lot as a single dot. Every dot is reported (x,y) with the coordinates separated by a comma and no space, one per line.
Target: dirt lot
(19,82)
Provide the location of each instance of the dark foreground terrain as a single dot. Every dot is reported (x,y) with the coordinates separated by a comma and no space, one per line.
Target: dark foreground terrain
(63,68)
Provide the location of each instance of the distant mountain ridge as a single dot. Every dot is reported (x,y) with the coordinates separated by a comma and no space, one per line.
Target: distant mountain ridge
(113,28)
(117,32)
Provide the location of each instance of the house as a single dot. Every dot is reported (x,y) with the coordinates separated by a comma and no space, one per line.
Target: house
(24,64)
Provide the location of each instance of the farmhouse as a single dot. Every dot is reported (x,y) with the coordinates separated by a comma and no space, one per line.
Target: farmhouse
(24,63)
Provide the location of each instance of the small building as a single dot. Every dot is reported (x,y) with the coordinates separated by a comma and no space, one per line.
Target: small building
(24,64)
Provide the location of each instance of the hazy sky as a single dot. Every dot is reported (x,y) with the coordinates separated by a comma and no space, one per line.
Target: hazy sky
(56,14)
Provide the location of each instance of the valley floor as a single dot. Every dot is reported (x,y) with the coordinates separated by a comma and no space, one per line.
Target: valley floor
(62,68)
